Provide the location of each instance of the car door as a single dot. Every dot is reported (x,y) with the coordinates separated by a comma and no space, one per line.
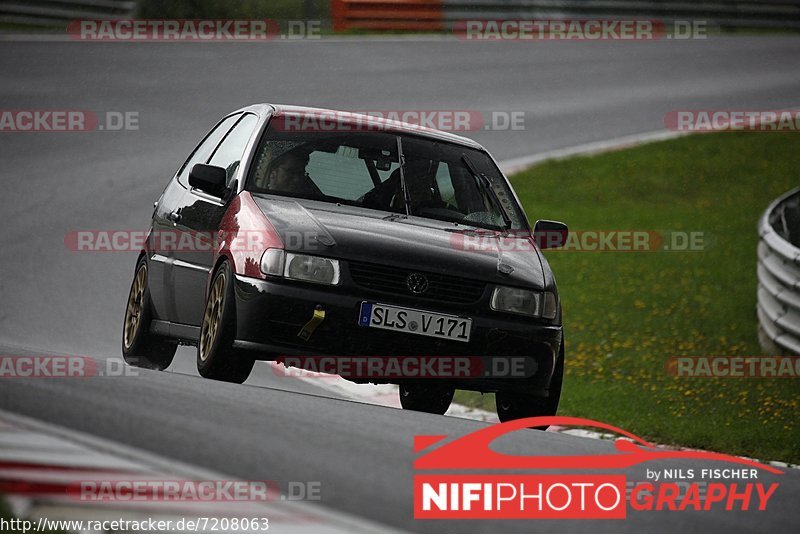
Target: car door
(167,226)
(200,216)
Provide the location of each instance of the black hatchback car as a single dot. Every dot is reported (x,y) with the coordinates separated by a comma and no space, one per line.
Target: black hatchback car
(383,251)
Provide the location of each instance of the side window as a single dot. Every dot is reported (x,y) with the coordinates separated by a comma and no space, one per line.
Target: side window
(229,154)
(206,148)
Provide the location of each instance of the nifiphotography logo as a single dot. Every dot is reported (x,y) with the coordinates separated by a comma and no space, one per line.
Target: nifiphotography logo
(487,493)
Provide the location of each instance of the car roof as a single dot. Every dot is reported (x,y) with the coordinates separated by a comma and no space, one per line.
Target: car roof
(351,118)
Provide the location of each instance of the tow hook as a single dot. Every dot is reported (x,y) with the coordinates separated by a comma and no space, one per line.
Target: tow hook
(310,326)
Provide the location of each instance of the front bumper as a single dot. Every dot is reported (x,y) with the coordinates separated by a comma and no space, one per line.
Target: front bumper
(270,315)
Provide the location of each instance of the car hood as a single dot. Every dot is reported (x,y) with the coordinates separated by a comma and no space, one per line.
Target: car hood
(359,234)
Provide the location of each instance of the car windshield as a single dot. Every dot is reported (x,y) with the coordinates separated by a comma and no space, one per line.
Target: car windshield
(439,180)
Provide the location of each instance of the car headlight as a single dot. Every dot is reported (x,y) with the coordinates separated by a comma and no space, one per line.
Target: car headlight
(524,302)
(303,267)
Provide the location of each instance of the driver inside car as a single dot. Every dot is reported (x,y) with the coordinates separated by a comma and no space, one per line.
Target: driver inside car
(420,180)
(287,175)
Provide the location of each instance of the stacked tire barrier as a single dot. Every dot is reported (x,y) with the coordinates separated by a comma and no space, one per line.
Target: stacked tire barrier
(442,15)
(779,275)
(59,13)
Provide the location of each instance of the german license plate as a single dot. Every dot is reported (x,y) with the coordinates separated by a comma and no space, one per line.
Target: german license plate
(411,321)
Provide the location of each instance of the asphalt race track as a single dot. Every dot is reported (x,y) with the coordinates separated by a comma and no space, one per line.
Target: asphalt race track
(56,300)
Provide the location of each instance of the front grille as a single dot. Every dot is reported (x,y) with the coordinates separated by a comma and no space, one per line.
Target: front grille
(393,280)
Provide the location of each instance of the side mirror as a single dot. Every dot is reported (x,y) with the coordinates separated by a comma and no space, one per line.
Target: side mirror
(550,234)
(209,178)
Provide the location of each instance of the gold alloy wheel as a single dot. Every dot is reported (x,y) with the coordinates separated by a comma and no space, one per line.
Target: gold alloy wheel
(133,313)
(212,317)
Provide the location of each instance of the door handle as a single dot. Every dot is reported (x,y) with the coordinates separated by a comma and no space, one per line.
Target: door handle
(175,216)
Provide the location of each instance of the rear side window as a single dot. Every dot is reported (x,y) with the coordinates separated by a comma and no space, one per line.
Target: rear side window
(229,154)
(206,147)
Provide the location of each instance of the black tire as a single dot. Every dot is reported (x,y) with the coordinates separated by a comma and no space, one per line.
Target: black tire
(429,398)
(140,348)
(515,405)
(216,357)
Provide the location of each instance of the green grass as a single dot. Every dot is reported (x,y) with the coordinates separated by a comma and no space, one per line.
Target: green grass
(625,313)
(13,27)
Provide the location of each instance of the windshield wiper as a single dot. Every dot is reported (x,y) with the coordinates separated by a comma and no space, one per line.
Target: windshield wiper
(485,186)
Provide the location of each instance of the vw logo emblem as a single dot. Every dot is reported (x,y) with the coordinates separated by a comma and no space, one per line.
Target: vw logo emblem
(417,283)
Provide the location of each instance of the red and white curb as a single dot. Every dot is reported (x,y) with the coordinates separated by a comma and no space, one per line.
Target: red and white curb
(39,461)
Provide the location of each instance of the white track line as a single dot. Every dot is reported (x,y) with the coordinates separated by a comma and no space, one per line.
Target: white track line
(514,165)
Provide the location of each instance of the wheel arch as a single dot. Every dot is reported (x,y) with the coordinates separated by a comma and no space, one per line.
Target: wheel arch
(221,259)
